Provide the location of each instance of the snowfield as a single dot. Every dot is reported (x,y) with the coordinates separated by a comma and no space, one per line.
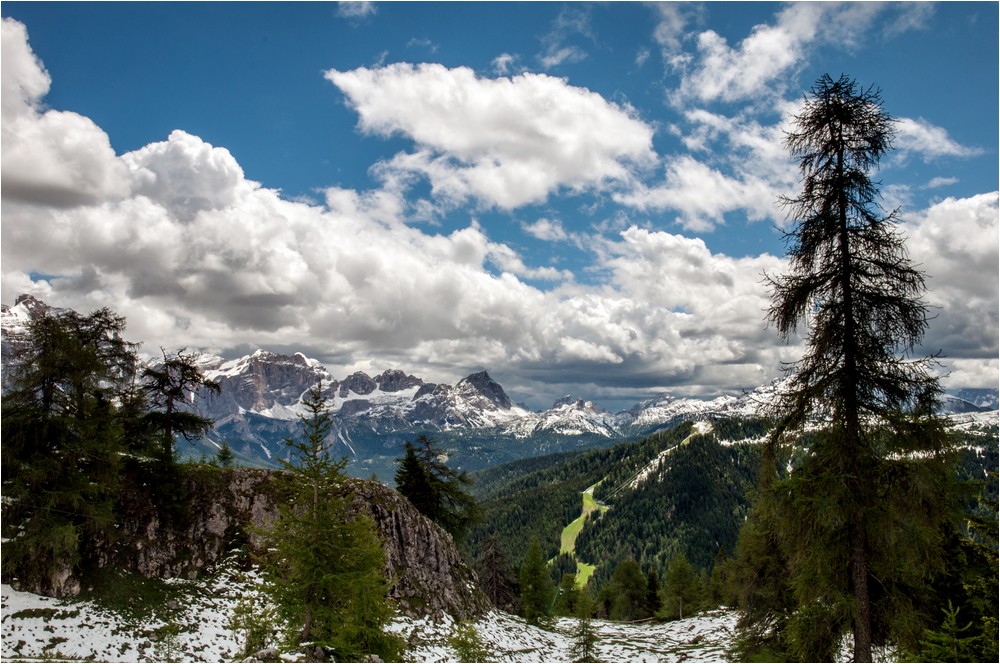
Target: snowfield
(703,638)
(192,627)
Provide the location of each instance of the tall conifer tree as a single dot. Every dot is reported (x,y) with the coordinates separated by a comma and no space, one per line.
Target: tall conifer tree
(438,491)
(495,576)
(169,386)
(537,589)
(859,517)
(62,445)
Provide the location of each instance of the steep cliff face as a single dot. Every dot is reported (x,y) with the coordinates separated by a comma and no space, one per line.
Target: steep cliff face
(262,382)
(216,510)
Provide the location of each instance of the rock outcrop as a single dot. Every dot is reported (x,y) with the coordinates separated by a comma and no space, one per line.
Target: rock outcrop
(219,509)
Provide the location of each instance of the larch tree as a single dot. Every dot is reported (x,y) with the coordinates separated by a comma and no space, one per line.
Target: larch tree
(63,439)
(496,578)
(857,520)
(170,386)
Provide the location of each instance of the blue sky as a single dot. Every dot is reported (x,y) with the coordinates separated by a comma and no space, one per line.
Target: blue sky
(576,197)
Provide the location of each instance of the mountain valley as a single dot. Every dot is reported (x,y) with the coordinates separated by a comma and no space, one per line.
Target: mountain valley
(670,477)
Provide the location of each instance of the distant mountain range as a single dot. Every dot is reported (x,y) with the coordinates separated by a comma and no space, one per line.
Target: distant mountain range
(260,402)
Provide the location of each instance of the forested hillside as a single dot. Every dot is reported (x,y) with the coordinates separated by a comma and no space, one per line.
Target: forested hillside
(685,491)
(693,505)
(676,492)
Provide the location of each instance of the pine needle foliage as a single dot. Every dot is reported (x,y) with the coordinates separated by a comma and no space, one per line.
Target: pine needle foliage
(62,444)
(845,543)
(438,491)
(323,572)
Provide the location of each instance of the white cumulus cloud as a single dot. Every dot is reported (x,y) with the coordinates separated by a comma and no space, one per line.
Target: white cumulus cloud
(355,9)
(957,244)
(49,157)
(505,142)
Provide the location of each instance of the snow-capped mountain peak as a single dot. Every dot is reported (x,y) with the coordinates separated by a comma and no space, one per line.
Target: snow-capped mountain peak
(261,400)
(481,385)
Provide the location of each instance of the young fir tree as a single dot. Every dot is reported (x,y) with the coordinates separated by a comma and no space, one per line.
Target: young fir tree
(465,642)
(858,520)
(952,642)
(323,572)
(63,439)
(537,589)
(585,639)
(436,490)
(225,457)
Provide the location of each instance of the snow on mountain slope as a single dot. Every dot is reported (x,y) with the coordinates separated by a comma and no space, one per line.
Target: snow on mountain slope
(260,401)
(978,421)
(700,428)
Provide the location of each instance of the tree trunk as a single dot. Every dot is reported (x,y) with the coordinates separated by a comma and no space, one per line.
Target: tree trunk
(851,418)
(307,628)
(859,586)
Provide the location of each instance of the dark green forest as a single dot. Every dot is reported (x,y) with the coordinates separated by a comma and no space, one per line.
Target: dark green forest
(692,505)
(681,524)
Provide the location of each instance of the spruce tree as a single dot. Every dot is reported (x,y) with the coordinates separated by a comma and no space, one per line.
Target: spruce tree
(683,590)
(567,593)
(585,639)
(323,571)
(626,592)
(537,589)
(652,602)
(857,521)
(413,481)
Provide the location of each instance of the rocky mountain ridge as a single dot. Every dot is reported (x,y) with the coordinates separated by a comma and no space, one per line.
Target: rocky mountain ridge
(260,401)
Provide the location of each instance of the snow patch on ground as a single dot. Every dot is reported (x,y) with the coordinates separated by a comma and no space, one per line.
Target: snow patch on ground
(193,628)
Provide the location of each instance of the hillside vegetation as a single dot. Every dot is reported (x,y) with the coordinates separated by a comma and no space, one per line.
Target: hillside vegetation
(691,501)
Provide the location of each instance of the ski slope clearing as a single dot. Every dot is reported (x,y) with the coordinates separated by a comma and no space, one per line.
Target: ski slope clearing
(572,531)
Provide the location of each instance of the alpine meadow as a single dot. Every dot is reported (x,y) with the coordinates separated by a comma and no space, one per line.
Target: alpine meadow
(516,332)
